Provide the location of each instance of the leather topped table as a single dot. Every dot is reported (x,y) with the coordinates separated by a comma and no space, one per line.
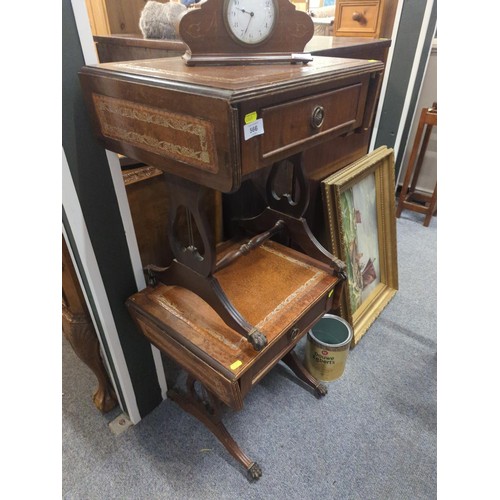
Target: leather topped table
(227,315)
(190,121)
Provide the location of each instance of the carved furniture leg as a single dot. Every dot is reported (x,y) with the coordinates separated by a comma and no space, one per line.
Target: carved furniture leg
(207,409)
(80,333)
(193,245)
(293,362)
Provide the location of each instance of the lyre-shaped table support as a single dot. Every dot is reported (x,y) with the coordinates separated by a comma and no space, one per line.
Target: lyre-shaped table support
(289,203)
(193,247)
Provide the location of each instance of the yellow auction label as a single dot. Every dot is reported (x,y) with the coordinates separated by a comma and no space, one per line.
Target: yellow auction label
(250,117)
(236,364)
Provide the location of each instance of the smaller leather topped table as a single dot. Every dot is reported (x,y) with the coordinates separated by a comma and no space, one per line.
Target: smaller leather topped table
(294,292)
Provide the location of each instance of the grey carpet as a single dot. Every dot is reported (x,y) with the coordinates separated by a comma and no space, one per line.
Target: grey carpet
(372,437)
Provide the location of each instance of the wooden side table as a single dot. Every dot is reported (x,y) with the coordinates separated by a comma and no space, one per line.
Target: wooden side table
(409,197)
(228,313)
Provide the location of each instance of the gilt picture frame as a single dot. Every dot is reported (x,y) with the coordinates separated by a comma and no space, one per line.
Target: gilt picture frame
(359,203)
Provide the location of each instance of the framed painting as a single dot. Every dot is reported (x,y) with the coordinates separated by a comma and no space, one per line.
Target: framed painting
(360,206)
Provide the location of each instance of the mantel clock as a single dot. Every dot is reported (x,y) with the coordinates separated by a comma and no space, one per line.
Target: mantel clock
(236,32)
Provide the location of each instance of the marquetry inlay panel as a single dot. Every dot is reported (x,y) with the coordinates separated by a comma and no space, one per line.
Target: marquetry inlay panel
(179,137)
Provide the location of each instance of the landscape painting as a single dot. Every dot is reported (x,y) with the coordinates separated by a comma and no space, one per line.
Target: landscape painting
(359,204)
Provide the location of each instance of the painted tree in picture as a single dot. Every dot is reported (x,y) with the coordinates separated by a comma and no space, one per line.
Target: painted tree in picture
(360,239)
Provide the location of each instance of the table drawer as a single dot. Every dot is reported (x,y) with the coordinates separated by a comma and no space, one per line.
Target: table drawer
(358,18)
(285,343)
(294,124)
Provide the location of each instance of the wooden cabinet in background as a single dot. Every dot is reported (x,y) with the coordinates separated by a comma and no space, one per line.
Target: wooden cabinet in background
(132,47)
(114,16)
(366,18)
(369,18)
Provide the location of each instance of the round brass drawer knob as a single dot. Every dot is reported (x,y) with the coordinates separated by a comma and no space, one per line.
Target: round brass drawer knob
(318,117)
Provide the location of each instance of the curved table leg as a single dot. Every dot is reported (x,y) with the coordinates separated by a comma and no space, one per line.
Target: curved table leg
(294,363)
(80,333)
(207,410)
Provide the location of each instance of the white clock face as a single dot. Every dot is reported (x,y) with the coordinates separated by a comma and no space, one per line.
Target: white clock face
(250,21)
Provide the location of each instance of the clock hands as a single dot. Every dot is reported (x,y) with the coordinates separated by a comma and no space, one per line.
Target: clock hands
(251,14)
(249,21)
(245,11)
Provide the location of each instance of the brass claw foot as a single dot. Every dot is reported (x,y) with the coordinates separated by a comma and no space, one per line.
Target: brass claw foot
(257,339)
(254,471)
(293,362)
(321,390)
